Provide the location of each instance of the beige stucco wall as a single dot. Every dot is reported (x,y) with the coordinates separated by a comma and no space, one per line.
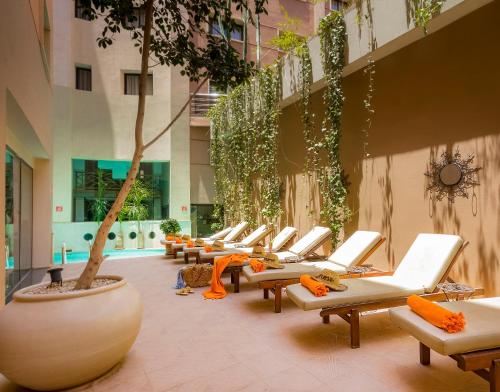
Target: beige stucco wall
(202,174)
(438,94)
(100,124)
(25,114)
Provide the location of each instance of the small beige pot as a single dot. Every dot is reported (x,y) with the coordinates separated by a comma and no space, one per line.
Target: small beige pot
(57,341)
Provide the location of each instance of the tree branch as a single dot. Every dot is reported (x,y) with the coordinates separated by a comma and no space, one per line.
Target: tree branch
(177,115)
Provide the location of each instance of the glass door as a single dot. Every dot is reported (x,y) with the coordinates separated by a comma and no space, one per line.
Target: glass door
(18,220)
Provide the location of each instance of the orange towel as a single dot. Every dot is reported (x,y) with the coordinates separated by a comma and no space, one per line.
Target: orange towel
(317,288)
(436,315)
(178,241)
(170,237)
(257,266)
(208,248)
(217,290)
(189,244)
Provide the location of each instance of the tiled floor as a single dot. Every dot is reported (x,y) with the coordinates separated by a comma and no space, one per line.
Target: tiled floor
(239,344)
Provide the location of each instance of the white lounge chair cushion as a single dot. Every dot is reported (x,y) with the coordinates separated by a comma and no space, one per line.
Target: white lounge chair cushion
(355,248)
(217,253)
(257,235)
(310,241)
(428,259)
(481,331)
(359,290)
(236,232)
(291,271)
(283,256)
(219,235)
(282,238)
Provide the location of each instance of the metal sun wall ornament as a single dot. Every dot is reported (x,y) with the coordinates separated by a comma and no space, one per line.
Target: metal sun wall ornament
(451,176)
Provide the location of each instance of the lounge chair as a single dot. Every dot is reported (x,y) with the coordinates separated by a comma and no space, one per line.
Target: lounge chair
(251,240)
(427,263)
(219,235)
(476,348)
(302,249)
(233,235)
(354,251)
(282,241)
(306,246)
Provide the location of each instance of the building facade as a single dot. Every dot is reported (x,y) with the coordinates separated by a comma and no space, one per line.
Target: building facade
(67,112)
(26,141)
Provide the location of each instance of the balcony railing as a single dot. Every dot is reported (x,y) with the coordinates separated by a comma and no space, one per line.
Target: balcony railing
(202,102)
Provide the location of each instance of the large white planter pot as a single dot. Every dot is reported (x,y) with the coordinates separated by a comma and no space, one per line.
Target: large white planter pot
(57,341)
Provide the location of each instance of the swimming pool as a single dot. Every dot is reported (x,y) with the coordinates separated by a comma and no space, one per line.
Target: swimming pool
(80,257)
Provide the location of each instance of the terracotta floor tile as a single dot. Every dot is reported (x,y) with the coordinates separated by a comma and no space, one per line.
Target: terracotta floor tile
(239,344)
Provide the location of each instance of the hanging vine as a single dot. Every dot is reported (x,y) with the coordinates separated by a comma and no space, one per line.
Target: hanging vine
(269,86)
(333,181)
(245,142)
(312,145)
(422,11)
(218,124)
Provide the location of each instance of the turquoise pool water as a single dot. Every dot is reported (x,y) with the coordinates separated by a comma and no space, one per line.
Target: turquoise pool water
(79,257)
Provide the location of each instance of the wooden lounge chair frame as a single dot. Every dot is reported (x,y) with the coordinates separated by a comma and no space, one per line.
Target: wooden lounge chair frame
(235,270)
(211,260)
(350,313)
(485,363)
(276,286)
(175,251)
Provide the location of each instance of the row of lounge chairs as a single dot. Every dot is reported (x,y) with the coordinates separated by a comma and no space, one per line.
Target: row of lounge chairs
(427,263)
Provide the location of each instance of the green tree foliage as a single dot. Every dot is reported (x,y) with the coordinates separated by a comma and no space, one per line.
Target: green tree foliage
(136,203)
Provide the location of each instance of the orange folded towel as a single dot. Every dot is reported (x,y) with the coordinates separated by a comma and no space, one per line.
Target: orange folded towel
(170,237)
(315,287)
(208,248)
(437,315)
(189,244)
(257,266)
(217,290)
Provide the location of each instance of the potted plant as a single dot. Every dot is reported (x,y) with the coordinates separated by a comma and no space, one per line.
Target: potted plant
(170,227)
(135,207)
(86,326)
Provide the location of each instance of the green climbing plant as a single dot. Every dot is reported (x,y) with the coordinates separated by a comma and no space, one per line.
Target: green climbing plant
(288,39)
(269,87)
(422,11)
(244,144)
(333,182)
(312,144)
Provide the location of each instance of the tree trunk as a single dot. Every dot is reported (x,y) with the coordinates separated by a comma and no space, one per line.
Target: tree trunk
(96,253)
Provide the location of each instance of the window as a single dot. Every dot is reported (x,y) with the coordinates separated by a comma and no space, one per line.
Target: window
(236,34)
(139,18)
(81,12)
(201,219)
(132,84)
(93,178)
(83,79)
(336,5)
